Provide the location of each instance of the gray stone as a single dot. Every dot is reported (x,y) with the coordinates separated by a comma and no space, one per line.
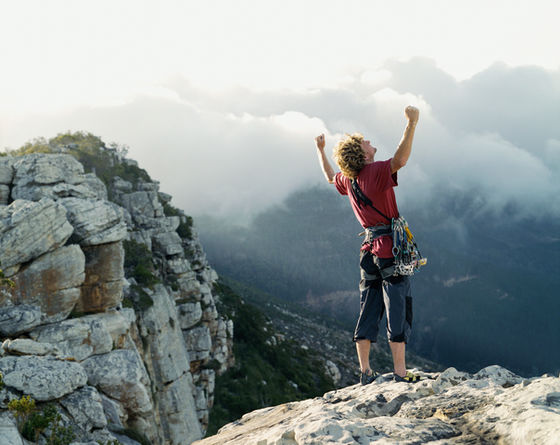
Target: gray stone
(43,378)
(120,374)
(95,222)
(6,169)
(96,185)
(141,205)
(121,185)
(25,346)
(15,320)
(114,412)
(41,168)
(85,407)
(167,346)
(178,266)
(30,229)
(4,194)
(77,338)
(8,430)
(148,186)
(177,402)
(189,314)
(167,243)
(498,375)
(104,273)
(198,342)
(166,198)
(54,192)
(51,282)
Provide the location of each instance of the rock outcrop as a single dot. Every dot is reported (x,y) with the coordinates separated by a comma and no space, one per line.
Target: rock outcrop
(112,317)
(491,406)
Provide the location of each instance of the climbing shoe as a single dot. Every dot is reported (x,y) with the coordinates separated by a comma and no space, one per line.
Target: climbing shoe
(368,377)
(408,378)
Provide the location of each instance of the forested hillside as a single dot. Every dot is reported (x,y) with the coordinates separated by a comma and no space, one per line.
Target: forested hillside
(488,295)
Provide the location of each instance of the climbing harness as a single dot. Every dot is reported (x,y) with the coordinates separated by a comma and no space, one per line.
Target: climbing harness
(407,256)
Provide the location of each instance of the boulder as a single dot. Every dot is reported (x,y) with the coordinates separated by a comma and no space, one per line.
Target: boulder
(120,185)
(15,320)
(96,185)
(6,169)
(29,229)
(25,346)
(121,375)
(51,282)
(178,266)
(77,338)
(41,168)
(95,221)
(104,273)
(189,314)
(167,243)
(86,408)
(142,205)
(43,378)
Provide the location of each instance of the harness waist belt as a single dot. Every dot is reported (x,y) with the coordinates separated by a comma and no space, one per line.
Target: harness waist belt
(374,232)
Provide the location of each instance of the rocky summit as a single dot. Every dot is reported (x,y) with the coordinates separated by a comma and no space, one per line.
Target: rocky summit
(451,407)
(110,332)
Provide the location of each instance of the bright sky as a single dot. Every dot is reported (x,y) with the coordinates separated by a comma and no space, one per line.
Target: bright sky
(210,88)
(61,53)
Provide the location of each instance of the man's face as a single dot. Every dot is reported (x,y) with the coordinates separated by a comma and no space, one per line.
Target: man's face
(369,151)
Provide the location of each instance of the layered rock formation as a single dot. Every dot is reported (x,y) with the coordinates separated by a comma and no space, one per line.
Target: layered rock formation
(114,350)
(491,406)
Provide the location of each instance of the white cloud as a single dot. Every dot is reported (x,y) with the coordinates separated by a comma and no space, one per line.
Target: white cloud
(235,153)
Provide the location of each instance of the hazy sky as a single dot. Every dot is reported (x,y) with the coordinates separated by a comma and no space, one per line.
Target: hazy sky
(220,100)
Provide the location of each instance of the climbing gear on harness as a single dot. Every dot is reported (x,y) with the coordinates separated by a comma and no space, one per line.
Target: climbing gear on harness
(408,258)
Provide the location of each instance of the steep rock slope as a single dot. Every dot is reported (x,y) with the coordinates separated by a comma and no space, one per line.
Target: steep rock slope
(112,317)
(491,406)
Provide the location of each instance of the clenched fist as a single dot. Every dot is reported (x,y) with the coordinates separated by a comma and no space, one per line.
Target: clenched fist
(320,141)
(411,114)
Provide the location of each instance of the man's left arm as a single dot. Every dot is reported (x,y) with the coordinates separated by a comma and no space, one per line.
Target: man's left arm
(405,146)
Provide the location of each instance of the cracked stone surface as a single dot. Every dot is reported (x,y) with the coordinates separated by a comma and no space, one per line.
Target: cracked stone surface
(491,406)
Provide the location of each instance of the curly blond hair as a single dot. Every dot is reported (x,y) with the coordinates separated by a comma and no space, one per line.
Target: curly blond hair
(349,155)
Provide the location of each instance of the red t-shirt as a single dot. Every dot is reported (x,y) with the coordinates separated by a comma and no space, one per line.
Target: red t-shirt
(377,182)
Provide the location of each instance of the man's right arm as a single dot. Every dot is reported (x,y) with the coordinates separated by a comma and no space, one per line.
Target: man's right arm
(405,146)
(323,161)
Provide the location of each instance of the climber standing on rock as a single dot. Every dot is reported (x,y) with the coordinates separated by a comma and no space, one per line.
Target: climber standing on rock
(369,187)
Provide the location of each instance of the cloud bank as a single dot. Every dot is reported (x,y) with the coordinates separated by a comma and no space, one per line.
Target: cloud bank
(237,152)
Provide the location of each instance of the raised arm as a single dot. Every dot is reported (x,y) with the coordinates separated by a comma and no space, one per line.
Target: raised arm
(325,164)
(405,146)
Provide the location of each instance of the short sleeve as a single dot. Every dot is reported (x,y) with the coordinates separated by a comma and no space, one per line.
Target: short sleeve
(380,177)
(340,183)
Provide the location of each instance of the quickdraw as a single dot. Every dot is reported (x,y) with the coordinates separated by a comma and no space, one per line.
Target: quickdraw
(408,258)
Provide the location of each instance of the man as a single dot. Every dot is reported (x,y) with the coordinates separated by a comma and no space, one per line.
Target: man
(379,291)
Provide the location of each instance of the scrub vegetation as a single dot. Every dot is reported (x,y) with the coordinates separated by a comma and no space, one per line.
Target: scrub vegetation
(266,372)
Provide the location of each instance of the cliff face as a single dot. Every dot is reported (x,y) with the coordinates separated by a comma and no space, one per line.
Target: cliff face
(491,406)
(112,317)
